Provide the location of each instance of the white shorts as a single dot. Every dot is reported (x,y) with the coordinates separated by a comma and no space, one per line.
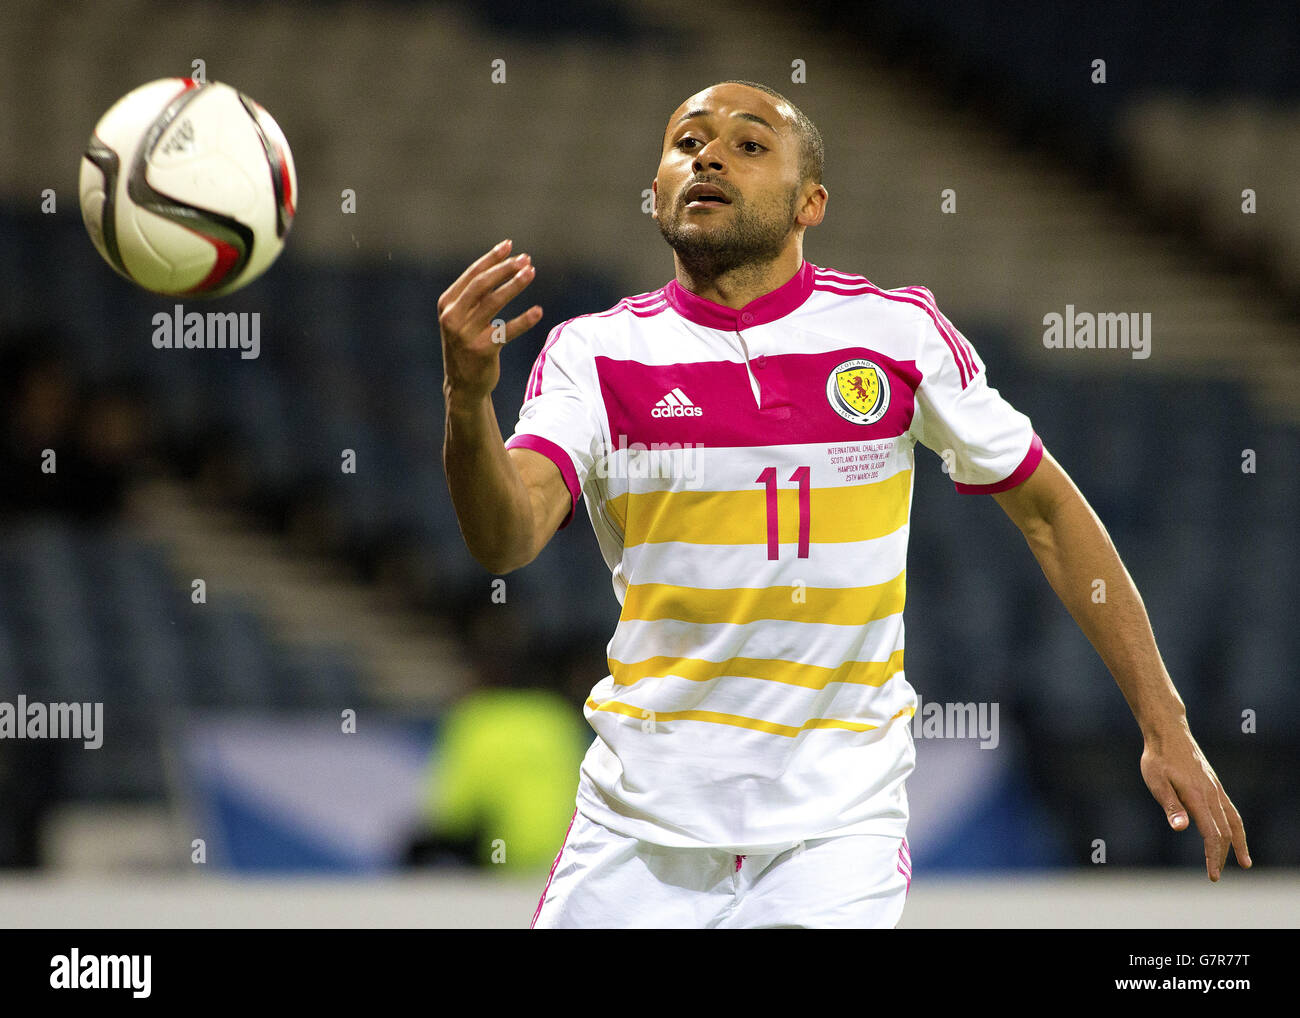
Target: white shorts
(604,880)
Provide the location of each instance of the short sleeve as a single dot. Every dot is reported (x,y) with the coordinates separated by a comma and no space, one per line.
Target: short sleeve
(558,418)
(987,444)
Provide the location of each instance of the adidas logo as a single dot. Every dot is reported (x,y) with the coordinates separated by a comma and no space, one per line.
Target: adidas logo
(676,404)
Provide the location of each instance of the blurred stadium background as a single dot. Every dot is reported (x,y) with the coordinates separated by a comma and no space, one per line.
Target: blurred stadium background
(227,791)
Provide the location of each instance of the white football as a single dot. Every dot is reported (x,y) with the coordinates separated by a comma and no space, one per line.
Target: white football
(188,187)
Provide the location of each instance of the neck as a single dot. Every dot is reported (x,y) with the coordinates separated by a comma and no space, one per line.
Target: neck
(734,288)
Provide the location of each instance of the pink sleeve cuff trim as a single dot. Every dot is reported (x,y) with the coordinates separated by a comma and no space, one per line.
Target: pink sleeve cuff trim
(557,456)
(1027,466)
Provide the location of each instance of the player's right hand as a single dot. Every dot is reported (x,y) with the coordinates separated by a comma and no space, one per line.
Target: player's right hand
(471,348)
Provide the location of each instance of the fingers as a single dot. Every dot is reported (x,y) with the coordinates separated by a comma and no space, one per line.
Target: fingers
(479,298)
(1175,813)
(493,290)
(1239,848)
(1213,825)
(453,292)
(1218,852)
(1199,795)
(522,323)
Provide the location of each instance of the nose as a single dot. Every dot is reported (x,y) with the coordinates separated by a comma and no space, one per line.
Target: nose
(709,155)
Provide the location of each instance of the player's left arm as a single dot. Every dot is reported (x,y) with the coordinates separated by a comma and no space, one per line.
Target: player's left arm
(1074,550)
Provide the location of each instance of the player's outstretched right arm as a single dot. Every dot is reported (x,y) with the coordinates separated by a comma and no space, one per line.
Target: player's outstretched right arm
(509,503)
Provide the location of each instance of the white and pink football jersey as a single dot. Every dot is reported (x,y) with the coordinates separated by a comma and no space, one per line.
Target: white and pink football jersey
(748,474)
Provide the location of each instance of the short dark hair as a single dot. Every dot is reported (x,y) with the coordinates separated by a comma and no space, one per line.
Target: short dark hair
(812,154)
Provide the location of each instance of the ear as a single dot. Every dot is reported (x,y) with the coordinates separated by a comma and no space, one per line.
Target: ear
(814,207)
(654,190)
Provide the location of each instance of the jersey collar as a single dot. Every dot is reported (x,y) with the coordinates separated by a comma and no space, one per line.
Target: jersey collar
(767,308)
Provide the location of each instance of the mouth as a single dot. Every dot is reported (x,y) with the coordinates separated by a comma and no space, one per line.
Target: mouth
(705,196)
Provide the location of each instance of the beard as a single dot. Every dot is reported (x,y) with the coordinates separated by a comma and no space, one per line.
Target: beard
(752,234)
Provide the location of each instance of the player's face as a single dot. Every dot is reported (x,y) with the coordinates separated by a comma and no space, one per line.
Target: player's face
(728,188)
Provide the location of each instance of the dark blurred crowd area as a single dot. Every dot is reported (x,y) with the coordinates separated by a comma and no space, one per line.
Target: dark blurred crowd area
(69,448)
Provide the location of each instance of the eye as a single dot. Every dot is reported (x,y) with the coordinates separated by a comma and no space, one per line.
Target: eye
(688,138)
(757,147)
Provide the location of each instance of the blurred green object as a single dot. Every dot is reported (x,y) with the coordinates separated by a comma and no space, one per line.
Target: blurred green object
(504,775)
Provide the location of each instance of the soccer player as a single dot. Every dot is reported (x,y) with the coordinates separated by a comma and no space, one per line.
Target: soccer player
(743,438)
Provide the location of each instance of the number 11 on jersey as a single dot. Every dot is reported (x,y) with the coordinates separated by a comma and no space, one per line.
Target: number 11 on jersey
(768,478)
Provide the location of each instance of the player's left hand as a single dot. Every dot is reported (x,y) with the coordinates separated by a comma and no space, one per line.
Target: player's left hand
(1183,782)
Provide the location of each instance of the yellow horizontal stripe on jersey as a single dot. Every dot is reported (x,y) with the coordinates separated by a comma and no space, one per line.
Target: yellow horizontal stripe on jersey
(859,512)
(736,720)
(862,673)
(838,606)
